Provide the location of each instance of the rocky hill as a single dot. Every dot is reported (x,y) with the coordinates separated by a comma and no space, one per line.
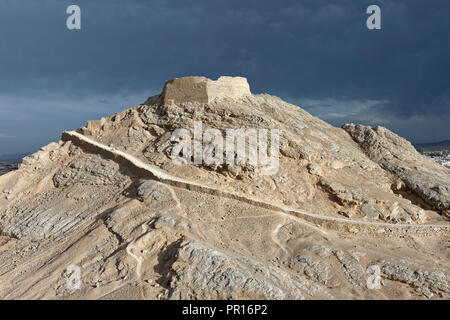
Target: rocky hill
(352,212)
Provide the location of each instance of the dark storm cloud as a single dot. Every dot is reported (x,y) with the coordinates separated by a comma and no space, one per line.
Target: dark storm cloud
(316,53)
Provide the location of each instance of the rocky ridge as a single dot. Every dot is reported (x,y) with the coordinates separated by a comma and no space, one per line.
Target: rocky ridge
(109,199)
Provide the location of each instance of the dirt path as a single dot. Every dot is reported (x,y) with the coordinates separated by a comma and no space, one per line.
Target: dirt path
(333,223)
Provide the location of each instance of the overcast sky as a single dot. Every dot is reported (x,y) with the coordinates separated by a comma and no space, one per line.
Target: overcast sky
(317,54)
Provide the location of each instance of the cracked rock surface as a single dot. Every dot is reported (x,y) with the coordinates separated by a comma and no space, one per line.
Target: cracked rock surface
(135,236)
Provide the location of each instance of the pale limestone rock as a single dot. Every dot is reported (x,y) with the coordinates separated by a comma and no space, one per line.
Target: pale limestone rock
(228,233)
(420,175)
(315,169)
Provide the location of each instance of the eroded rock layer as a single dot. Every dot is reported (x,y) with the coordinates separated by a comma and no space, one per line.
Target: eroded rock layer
(350,213)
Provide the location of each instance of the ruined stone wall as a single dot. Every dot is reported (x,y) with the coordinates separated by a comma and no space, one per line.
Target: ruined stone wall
(204,90)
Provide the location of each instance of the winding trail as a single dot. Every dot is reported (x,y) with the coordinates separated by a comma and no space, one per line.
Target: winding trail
(333,223)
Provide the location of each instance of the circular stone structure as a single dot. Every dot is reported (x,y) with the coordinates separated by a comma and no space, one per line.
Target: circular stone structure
(204,90)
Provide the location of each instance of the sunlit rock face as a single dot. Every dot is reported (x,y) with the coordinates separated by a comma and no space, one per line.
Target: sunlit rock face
(350,213)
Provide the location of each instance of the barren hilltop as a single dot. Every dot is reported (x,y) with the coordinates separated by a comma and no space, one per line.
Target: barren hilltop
(344,213)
